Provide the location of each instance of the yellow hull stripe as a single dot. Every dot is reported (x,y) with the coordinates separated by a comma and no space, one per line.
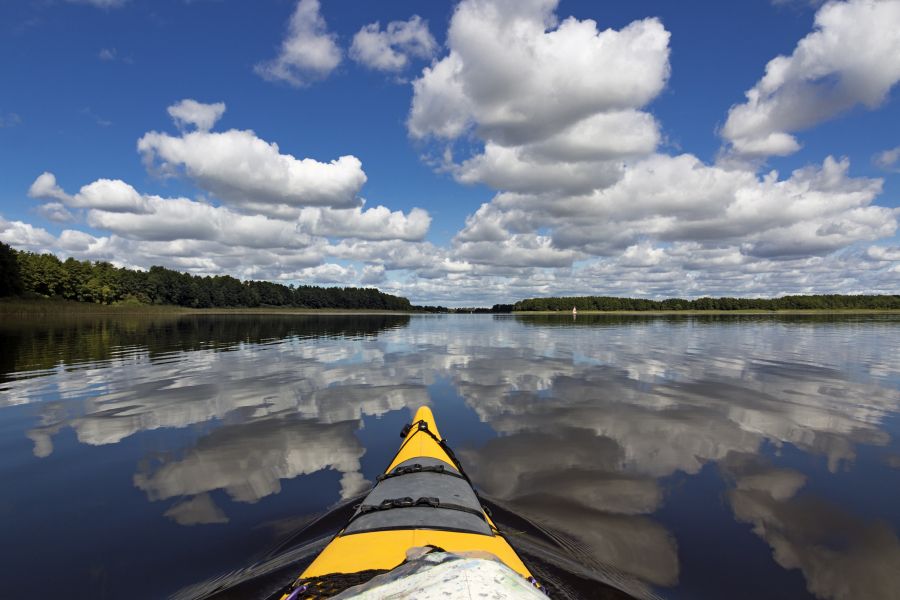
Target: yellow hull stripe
(387,549)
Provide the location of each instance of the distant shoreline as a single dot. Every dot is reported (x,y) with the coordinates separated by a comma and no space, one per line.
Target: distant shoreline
(787,311)
(47,307)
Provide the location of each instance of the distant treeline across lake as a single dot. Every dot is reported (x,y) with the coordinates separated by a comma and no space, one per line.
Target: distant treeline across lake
(30,274)
(810,302)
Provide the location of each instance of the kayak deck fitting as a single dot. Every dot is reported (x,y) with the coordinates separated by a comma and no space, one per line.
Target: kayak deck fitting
(423,500)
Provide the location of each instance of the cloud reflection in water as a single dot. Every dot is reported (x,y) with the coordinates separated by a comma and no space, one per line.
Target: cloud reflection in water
(590,417)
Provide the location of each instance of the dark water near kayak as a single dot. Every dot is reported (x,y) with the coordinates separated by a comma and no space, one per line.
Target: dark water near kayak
(707,457)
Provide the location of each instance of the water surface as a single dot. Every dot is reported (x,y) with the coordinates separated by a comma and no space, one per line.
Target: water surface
(701,457)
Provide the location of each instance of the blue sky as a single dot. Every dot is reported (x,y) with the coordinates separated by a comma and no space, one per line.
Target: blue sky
(503,149)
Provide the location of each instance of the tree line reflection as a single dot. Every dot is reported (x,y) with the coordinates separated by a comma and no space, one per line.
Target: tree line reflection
(29,344)
(590,426)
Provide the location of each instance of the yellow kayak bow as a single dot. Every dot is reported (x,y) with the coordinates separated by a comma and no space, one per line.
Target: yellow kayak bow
(423,499)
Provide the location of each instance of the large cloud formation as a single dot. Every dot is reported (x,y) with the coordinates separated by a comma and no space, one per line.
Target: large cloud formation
(239,167)
(558,114)
(516,82)
(554,114)
(276,215)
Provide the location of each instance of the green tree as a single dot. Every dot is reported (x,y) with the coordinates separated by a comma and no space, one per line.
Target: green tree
(10,275)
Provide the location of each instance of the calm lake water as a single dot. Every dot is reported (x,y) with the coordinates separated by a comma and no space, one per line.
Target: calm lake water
(702,457)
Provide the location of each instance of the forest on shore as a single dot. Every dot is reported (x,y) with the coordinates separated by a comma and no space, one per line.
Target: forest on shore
(804,302)
(28,274)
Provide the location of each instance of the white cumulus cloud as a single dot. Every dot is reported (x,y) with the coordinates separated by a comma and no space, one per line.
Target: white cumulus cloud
(308,51)
(106,194)
(116,206)
(25,236)
(200,115)
(253,174)
(817,209)
(201,238)
(390,49)
(852,57)
(113,195)
(518,76)
(45,186)
(557,105)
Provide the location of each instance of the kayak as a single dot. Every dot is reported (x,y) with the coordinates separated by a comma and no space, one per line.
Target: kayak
(422,516)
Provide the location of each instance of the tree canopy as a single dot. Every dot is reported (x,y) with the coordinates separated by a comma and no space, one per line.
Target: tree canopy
(103,283)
